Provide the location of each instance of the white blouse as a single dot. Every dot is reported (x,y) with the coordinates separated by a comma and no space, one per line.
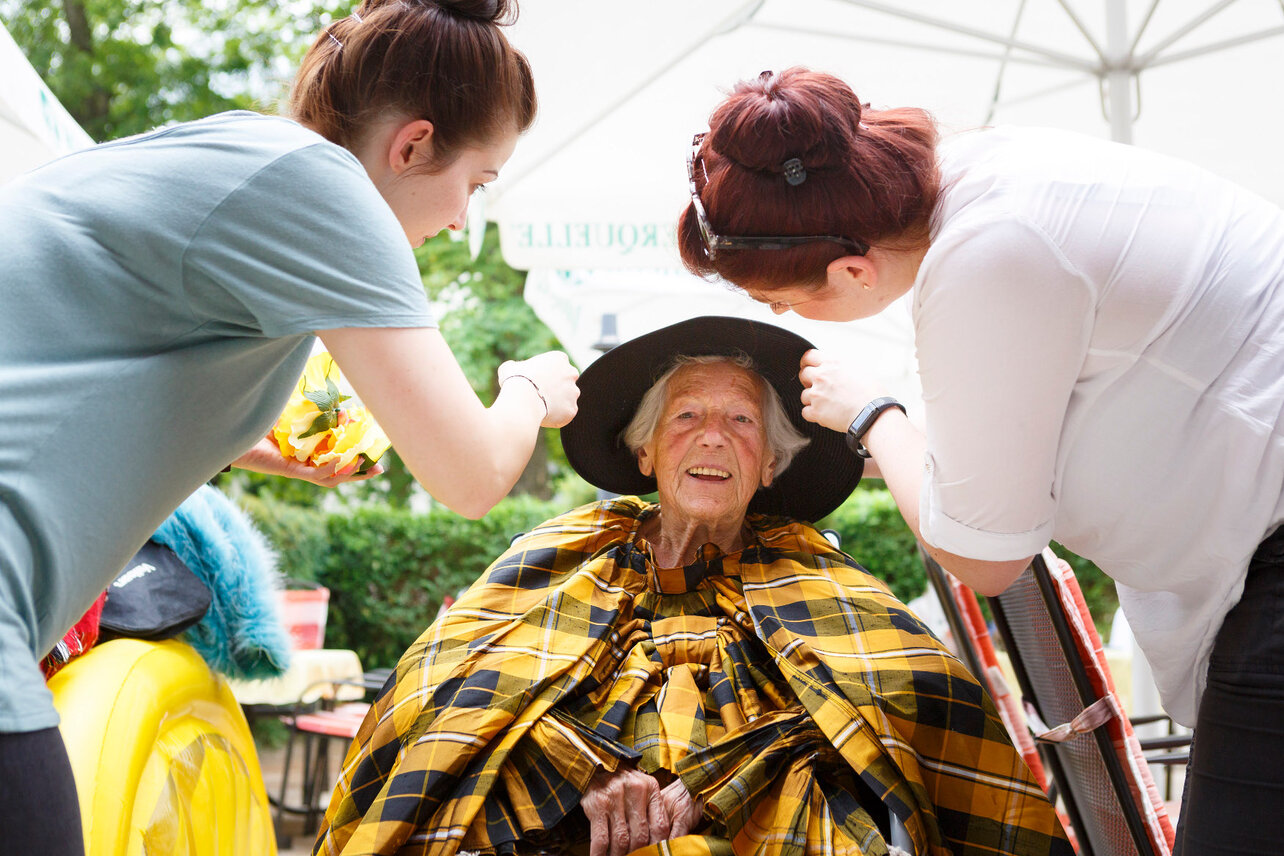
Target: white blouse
(1100,337)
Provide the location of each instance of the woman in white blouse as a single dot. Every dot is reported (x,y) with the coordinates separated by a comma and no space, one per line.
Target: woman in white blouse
(1100,338)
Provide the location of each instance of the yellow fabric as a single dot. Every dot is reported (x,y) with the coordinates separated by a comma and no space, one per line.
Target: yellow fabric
(784,684)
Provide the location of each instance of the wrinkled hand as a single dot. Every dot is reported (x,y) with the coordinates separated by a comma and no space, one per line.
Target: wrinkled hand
(834,390)
(684,812)
(266,457)
(554,378)
(625,811)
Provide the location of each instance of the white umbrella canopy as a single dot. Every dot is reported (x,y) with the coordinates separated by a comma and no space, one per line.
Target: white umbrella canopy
(598,183)
(34,127)
(601,178)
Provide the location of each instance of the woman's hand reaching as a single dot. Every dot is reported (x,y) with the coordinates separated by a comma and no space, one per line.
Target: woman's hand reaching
(552,377)
(265,457)
(834,390)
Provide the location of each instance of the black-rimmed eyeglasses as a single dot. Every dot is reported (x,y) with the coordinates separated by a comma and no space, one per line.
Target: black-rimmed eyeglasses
(714,242)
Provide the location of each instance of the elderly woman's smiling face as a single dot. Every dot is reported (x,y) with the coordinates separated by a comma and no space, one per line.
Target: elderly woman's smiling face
(709,449)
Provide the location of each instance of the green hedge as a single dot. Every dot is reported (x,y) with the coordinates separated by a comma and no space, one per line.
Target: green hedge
(874,534)
(388,570)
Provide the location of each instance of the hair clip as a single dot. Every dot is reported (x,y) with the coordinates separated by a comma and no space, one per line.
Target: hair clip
(333,39)
(795,174)
(354,16)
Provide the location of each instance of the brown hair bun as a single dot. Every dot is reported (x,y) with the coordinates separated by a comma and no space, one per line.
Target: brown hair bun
(793,114)
(446,61)
(499,12)
(870,176)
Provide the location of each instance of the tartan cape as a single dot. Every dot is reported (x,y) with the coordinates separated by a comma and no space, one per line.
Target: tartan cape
(784,684)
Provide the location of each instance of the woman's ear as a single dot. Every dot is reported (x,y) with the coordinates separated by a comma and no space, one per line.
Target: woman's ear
(768,471)
(409,145)
(852,272)
(644,462)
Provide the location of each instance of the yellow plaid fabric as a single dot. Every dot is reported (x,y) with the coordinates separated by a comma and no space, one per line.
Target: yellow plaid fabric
(784,684)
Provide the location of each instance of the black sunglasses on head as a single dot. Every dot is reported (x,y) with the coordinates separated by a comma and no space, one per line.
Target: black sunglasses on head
(714,242)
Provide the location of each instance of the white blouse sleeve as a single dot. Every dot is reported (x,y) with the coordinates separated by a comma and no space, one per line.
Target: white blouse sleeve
(1002,327)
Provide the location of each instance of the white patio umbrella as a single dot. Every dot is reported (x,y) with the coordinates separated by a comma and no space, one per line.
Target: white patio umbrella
(34,126)
(600,180)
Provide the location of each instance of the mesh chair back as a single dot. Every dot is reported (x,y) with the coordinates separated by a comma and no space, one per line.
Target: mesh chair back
(1060,664)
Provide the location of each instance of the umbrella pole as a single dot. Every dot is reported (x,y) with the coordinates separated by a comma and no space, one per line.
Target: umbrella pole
(1119,77)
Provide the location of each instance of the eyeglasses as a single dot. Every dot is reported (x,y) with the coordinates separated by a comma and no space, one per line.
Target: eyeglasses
(714,242)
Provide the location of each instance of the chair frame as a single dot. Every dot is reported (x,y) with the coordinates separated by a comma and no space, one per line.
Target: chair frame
(318,724)
(1118,778)
(962,637)
(1168,750)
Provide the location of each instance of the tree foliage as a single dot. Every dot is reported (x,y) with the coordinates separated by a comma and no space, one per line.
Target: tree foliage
(486,320)
(124,66)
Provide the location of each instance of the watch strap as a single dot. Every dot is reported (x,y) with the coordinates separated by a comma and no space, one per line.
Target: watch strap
(865,420)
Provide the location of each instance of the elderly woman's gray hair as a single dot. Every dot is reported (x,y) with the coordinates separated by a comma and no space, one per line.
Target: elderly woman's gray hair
(784,440)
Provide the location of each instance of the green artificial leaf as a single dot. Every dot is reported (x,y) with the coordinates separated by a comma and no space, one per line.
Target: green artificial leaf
(324,422)
(319,398)
(335,395)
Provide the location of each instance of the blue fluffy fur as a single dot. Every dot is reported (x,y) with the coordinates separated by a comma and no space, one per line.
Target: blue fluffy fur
(242,635)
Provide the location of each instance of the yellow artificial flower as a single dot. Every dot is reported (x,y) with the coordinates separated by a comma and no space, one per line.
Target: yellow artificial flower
(317,427)
(356,436)
(297,417)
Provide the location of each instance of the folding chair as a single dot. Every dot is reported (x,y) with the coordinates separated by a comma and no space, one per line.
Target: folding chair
(1098,765)
(319,726)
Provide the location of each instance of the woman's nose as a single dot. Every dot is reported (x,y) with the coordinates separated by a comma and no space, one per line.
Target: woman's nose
(457,225)
(712,432)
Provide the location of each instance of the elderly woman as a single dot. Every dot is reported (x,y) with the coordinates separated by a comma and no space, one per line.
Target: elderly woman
(703,675)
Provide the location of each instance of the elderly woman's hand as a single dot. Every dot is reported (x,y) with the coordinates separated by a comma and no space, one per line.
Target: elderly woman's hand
(625,811)
(834,390)
(684,812)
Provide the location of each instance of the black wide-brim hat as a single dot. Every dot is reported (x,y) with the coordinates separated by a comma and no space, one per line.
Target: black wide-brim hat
(816,482)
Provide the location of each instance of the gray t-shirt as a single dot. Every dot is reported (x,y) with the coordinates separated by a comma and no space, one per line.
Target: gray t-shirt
(158,297)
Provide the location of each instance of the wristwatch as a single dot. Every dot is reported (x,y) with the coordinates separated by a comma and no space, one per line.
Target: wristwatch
(865,420)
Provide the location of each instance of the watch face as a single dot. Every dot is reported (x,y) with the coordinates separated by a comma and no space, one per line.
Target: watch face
(855,445)
(865,420)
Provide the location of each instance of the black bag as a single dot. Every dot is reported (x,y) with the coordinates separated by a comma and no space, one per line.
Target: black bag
(156,597)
